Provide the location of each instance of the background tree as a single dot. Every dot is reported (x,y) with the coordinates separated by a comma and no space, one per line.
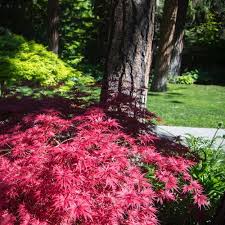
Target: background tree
(129,52)
(53,25)
(167,29)
(205,41)
(27,18)
(101,9)
(178,40)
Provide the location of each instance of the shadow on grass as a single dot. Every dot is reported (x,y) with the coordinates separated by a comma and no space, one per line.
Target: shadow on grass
(15,112)
(154,94)
(83,95)
(180,87)
(176,102)
(166,94)
(16,105)
(174,94)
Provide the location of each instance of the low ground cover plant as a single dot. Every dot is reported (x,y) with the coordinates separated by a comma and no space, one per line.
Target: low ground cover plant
(57,167)
(189,77)
(26,61)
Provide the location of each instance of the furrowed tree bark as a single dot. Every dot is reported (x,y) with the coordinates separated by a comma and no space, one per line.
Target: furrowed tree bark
(129,53)
(167,30)
(176,58)
(53,24)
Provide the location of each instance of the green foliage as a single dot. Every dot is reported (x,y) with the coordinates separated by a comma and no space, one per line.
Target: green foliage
(95,71)
(210,170)
(198,11)
(206,33)
(23,60)
(188,77)
(79,39)
(77,25)
(76,28)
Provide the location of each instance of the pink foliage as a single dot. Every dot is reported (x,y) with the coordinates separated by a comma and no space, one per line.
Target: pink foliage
(93,177)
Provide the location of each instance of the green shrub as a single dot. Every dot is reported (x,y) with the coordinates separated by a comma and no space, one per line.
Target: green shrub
(207,33)
(22,60)
(210,172)
(188,77)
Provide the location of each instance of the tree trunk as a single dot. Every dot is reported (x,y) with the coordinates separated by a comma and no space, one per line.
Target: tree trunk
(2,87)
(175,63)
(129,54)
(167,29)
(53,23)
(220,214)
(176,58)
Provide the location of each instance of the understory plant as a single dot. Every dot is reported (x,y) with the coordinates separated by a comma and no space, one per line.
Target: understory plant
(189,77)
(210,172)
(60,167)
(28,61)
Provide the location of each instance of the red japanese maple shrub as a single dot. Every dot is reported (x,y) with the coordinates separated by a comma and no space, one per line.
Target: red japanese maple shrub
(93,176)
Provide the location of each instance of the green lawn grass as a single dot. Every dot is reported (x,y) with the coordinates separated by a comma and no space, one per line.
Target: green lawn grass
(189,105)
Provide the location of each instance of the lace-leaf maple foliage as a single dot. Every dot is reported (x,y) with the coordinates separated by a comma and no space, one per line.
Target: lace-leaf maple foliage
(85,170)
